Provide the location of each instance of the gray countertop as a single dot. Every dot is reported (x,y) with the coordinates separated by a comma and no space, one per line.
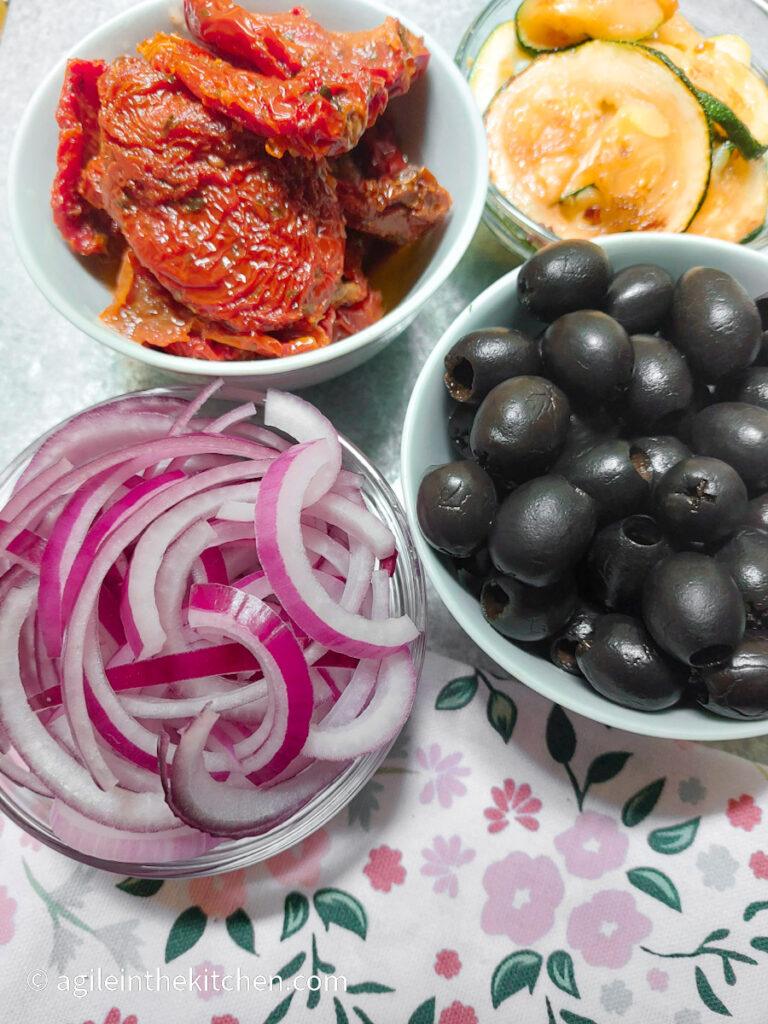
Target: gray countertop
(50,370)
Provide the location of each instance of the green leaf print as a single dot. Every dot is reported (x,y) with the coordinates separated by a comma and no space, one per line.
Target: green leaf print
(337,907)
(295,914)
(605,767)
(707,995)
(760,942)
(656,885)
(561,739)
(502,714)
(185,932)
(240,928)
(754,908)
(424,1014)
(639,806)
(717,935)
(368,986)
(560,971)
(291,967)
(341,1013)
(574,1018)
(457,694)
(362,1015)
(674,839)
(515,972)
(140,886)
(280,1010)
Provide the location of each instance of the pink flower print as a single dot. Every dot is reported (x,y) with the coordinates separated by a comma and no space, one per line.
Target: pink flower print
(607,928)
(440,861)
(7,911)
(301,865)
(219,895)
(519,801)
(657,980)
(744,812)
(226,1019)
(384,868)
(759,864)
(447,772)
(447,963)
(114,1017)
(592,846)
(458,1013)
(523,894)
(28,840)
(207,980)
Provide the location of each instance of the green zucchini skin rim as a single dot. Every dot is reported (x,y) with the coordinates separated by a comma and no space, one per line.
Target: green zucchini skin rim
(537,51)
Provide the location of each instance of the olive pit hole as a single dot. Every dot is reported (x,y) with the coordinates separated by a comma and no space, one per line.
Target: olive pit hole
(641,462)
(642,530)
(710,657)
(494,600)
(564,653)
(460,379)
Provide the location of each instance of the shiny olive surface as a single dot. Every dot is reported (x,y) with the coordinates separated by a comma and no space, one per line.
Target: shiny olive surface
(520,428)
(693,609)
(563,277)
(745,556)
(541,530)
(617,476)
(661,386)
(663,451)
(715,323)
(757,513)
(621,661)
(621,556)
(455,506)
(640,298)
(526,613)
(588,354)
(700,499)
(737,433)
(481,360)
(738,689)
(750,386)
(562,647)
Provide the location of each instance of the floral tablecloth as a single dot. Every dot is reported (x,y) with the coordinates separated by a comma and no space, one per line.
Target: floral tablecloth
(510,862)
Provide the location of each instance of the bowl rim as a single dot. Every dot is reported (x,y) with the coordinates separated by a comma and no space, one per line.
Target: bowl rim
(705,727)
(393,321)
(231,854)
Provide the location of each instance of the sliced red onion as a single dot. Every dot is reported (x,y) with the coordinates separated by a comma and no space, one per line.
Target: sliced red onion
(303,421)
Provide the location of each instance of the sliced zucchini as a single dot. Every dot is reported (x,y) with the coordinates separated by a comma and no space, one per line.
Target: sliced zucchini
(544,25)
(610,117)
(737,47)
(500,58)
(677,31)
(736,203)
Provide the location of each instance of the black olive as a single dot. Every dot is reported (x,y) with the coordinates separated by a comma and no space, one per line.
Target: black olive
(481,360)
(736,433)
(757,514)
(738,689)
(715,323)
(588,354)
(522,612)
(459,426)
(661,386)
(541,530)
(455,506)
(520,428)
(664,451)
(745,556)
(762,356)
(621,556)
(693,609)
(563,277)
(474,570)
(750,386)
(616,475)
(562,647)
(621,661)
(700,499)
(584,432)
(640,298)
(762,308)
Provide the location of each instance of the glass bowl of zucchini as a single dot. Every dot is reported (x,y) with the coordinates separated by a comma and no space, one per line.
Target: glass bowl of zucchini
(628,115)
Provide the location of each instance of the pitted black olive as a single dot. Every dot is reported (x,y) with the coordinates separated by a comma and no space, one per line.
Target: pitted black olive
(737,433)
(621,556)
(621,661)
(526,613)
(541,530)
(745,556)
(700,499)
(616,475)
(757,514)
(520,428)
(562,277)
(640,298)
(459,426)
(738,689)
(715,323)
(474,570)
(664,451)
(562,647)
(693,609)
(661,387)
(750,386)
(585,430)
(762,308)
(588,354)
(455,506)
(481,360)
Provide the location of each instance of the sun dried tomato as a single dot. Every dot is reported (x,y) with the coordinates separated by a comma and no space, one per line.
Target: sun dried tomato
(77,118)
(322,111)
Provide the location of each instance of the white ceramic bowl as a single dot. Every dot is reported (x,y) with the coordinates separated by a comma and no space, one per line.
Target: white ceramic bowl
(425,444)
(438,126)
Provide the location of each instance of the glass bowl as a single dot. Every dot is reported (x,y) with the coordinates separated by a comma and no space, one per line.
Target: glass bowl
(746,18)
(408,595)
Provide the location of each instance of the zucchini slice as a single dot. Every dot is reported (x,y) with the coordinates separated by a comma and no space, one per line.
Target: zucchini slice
(736,203)
(500,58)
(600,138)
(737,47)
(556,24)
(677,31)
